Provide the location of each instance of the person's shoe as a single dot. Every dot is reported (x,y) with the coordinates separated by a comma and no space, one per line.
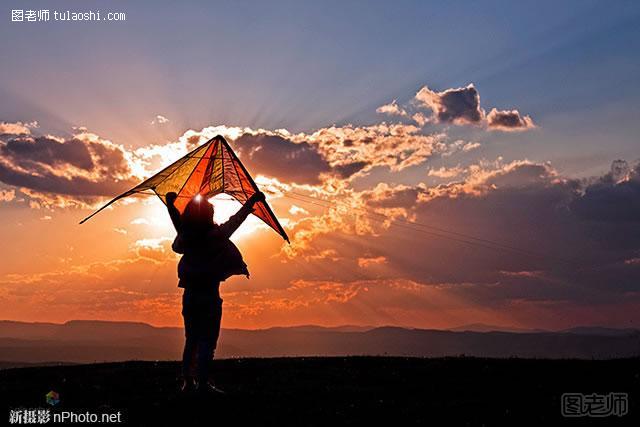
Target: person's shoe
(188,385)
(209,388)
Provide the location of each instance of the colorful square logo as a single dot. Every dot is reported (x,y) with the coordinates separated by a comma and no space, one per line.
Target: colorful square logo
(53,398)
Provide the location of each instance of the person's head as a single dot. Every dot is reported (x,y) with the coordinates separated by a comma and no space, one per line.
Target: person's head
(198,214)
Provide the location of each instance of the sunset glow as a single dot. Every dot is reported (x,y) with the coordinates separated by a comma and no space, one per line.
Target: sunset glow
(434,178)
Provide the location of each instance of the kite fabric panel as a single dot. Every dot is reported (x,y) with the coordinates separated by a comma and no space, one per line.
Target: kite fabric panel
(210,169)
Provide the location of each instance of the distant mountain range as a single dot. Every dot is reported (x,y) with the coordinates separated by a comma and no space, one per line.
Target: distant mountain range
(481,327)
(80,341)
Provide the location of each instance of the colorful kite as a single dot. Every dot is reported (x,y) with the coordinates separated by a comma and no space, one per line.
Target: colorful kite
(210,169)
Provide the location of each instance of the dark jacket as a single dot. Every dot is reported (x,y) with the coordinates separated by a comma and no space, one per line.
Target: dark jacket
(209,255)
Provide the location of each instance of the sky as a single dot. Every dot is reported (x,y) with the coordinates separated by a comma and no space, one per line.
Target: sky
(435,164)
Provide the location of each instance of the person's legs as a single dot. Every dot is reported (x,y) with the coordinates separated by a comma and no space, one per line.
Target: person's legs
(189,357)
(203,361)
(191,339)
(208,340)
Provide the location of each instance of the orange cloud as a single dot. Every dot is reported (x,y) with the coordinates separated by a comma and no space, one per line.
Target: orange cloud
(17,128)
(7,195)
(370,261)
(392,109)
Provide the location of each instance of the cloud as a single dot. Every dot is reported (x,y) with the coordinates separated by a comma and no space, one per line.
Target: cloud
(420,119)
(17,128)
(34,151)
(459,106)
(7,195)
(365,301)
(612,198)
(297,210)
(365,262)
(118,289)
(395,146)
(470,146)
(359,238)
(83,166)
(279,157)
(517,174)
(156,249)
(43,200)
(336,151)
(78,171)
(140,221)
(465,232)
(392,109)
(360,262)
(159,120)
(444,172)
(508,121)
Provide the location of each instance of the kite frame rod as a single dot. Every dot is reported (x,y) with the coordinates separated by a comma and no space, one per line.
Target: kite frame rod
(133,190)
(253,184)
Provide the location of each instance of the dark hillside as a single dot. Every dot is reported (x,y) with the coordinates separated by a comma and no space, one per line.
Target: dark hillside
(333,391)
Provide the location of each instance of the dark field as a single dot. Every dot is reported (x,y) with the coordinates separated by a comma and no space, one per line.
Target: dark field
(333,391)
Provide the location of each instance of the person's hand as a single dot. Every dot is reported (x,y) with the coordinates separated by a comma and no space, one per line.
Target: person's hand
(171,197)
(257,197)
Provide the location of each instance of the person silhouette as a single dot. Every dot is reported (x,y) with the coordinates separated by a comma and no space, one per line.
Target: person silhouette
(208,257)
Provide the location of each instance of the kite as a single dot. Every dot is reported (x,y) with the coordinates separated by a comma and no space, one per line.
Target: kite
(209,169)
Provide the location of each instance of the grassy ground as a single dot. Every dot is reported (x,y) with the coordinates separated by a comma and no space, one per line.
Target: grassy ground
(333,391)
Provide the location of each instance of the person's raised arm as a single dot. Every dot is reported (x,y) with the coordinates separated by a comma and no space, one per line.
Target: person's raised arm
(174,213)
(229,227)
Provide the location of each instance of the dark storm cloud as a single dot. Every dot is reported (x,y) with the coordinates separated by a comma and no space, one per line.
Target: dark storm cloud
(278,157)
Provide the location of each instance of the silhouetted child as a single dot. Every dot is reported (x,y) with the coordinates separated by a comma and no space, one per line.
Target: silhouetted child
(209,257)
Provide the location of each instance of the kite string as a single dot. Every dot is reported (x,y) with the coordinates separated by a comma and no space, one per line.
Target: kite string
(397,224)
(419,227)
(415,223)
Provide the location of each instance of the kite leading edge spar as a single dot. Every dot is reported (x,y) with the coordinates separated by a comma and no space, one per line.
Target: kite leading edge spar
(209,169)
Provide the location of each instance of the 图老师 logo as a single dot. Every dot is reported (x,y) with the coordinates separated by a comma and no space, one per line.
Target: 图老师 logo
(595,405)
